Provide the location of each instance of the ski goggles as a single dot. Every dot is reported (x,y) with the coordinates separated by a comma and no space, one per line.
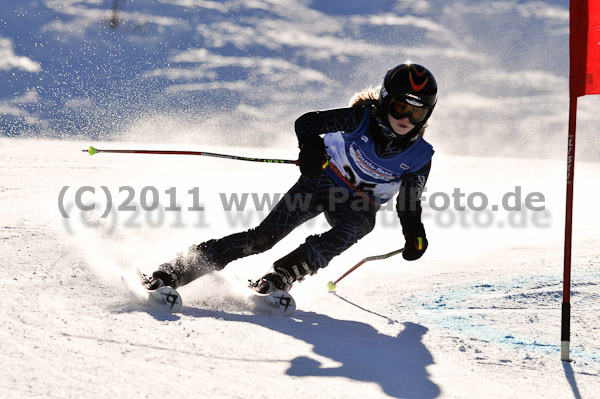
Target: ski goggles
(398,108)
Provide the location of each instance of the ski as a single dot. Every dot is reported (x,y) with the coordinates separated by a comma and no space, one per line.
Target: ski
(278,303)
(163,299)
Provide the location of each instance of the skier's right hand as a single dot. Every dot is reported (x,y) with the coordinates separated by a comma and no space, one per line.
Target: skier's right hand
(313,156)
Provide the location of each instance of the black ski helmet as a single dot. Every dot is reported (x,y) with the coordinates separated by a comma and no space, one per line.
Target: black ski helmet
(412,83)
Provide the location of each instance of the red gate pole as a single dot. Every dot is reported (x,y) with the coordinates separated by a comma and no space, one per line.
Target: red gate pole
(566,304)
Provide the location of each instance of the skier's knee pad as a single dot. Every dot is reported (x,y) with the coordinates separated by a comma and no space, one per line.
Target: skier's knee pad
(330,219)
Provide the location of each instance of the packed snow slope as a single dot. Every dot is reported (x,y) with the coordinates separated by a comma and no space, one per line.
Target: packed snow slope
(477,317)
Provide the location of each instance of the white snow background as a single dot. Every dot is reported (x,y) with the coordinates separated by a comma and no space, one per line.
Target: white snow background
(477,317)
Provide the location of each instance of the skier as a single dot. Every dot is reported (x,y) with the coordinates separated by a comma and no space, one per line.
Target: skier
(369,153)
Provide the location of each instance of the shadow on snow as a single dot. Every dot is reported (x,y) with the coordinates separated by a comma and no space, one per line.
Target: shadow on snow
(397,364)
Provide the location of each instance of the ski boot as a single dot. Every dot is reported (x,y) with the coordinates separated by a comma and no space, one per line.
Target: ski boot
(157,280)
(269,283)
(292,267)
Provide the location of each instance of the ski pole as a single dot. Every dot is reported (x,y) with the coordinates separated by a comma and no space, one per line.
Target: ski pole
(93,151)
(332,284)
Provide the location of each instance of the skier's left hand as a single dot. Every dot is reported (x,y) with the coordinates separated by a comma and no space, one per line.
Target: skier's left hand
(416,245)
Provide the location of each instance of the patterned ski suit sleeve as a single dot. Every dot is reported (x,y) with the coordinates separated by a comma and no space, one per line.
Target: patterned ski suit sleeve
(409,201)
(334,120)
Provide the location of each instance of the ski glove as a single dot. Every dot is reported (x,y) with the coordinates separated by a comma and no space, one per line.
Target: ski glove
(415,247)
(313,156)
(414,233)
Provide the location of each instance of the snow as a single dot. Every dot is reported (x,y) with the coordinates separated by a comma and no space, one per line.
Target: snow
(477,316)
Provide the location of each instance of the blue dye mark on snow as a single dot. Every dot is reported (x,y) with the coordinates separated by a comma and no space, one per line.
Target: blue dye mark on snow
(470,310)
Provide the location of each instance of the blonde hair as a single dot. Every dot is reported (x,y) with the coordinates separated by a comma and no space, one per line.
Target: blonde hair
(369,96)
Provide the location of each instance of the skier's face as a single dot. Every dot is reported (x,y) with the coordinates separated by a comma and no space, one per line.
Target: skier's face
(400,126)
